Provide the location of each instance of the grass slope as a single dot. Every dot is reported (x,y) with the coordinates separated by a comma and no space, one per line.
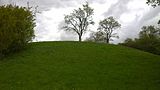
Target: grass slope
(80,66)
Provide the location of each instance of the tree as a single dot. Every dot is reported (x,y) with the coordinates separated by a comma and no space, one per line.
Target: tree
(16,28)
(150,32)
(159,22)
(107,27)
(96,37)
(153,3)
(149,40)
(79,20)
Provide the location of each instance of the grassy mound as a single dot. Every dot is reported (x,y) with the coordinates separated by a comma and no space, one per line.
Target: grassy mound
(80,66)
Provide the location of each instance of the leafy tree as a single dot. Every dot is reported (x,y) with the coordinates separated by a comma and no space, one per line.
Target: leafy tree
(149,40)
(79,20)
(16,28)
(107,27)
(150,32)
(153,3)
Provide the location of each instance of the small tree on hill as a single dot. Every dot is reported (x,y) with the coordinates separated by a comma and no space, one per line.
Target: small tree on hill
(107,27)
(79,20)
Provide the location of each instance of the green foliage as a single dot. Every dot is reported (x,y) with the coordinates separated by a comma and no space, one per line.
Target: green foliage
(149,40)
(106,31)
(16,28)
(80,66)
(107,27)
(150,32)
(79,20)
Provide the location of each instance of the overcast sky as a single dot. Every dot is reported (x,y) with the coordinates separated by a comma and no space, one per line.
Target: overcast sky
(132,14)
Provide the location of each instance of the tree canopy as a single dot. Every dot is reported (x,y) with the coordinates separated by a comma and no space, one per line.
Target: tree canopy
(153,3)
(108,27)
(79,20)
(16,28)
(149,40)
(150,32)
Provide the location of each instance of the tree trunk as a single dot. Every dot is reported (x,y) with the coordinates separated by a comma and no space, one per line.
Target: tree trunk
(107,41)
(107,38)
(80,38)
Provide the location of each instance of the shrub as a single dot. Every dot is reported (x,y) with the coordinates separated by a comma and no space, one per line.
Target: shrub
(16,28)
(149,40)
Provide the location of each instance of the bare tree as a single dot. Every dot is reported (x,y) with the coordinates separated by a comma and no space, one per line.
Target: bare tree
(107,27)
(79,20)
(96,37)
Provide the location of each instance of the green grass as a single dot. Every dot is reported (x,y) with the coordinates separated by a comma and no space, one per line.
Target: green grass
(80,66)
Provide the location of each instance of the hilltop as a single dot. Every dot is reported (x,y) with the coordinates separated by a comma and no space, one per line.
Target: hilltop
(80,66)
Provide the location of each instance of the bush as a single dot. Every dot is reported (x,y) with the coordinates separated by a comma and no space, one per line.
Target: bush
(16,28)
(148,45)
(149,40)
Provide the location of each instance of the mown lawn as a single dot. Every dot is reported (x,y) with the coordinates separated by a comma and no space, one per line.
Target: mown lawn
(80,66)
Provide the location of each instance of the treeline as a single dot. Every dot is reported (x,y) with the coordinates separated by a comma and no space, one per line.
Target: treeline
(148,40)
(149,37)
(16,28)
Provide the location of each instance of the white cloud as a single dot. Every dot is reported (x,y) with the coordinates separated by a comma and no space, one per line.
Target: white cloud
(132,14)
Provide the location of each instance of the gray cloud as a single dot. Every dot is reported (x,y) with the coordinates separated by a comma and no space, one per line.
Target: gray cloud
(132,30)
(43,4)
(48,4)
(68,36)
(118,8)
